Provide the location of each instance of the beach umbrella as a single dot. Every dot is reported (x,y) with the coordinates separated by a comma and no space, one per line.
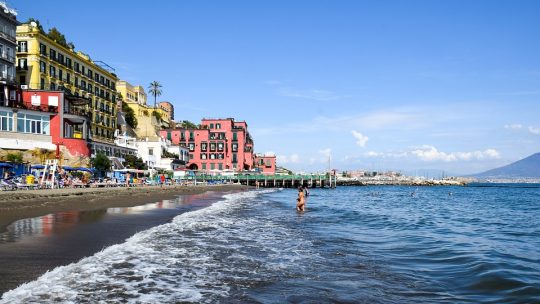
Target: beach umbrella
(68,168)
(6,165)
(37,167)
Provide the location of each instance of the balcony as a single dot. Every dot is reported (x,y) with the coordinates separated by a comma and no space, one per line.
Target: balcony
(6,56)
(8,37)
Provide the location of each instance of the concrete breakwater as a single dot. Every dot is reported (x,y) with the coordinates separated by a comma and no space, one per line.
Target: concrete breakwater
(401,182)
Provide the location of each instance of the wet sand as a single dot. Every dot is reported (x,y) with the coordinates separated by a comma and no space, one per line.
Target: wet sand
(15,205)
(78,223)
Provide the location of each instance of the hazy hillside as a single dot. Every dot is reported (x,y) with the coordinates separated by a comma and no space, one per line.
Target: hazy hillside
(527,167)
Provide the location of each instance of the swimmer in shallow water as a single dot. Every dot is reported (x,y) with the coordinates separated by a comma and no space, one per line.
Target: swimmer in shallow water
(301,200)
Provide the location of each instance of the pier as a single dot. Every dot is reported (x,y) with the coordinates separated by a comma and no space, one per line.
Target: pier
(272,181)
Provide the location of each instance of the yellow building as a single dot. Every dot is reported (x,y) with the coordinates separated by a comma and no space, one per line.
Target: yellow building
(46,64)
(147,123)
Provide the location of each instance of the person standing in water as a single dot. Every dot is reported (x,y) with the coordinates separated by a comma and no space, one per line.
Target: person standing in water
(306,191)
(301,200)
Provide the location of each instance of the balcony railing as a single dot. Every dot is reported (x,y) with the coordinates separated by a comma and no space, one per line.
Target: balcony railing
(78,112)
(8,37)
(6,56)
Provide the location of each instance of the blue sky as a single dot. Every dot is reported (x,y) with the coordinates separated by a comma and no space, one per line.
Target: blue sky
(379,85)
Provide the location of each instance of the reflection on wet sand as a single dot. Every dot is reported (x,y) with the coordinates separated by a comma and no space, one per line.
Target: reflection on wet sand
(63,222)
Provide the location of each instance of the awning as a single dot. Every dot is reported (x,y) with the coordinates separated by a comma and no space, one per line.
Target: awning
(37,167)
(6,165)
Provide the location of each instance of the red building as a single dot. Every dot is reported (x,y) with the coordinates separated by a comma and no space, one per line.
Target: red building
(45,119)
(219,144)
(266,163)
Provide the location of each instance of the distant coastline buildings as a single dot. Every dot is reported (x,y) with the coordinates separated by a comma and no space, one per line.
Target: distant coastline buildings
(57,101)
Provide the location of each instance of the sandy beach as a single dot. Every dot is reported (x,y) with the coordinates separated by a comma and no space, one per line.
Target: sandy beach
(15,205)
(83,228)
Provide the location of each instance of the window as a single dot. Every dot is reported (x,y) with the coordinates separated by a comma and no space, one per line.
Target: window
(212,155)
(204,156)
(191,135)
(68,77)
(23,65)
(204,147)
(220,146)
(89,87)
(42,84)
(52,71)
(83,70)
(150,151)
(234,158)
(42,49)
(35,124)
(90,74)
(77,67)
(6,121)
(53,86)
(211,126)
(218,126)
(53,54)
(220,156)
(22,46)
(204,166)
(42,67)
(212,147)
(235,136)
(220,166)
(60,74)
(191,147)
(235,147)
(212,166)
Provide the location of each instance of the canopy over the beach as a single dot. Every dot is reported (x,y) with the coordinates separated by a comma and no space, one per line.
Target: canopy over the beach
(6,165)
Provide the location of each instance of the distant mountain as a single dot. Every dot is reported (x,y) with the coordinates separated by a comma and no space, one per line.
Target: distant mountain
(526,168)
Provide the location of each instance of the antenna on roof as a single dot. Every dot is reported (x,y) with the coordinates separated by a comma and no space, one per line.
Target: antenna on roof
(105,66)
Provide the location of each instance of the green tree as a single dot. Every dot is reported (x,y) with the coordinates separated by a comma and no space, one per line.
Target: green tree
(186,124)
(134,162)
(129,114)
(57,36)
(101,163)
(157,115)
(155,90)
(14,157)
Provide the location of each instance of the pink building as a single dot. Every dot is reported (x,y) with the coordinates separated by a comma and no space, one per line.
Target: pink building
(266,163)
(46,119)
(220,144)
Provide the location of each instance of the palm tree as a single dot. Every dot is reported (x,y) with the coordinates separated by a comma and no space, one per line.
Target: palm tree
(155,90)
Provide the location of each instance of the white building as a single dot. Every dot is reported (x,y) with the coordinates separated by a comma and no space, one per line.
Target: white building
(159,153)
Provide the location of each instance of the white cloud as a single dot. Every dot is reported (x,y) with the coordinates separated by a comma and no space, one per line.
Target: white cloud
(361,139)
(283,89)
(284,159)
(513,126)
(430,153)
(313,94)
(326,152)
(534,130)
(373,154)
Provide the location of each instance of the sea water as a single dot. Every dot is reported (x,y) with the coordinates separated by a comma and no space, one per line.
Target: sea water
(384,244)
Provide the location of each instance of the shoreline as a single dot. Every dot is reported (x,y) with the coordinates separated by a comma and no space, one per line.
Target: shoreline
(33,203)
(81,226)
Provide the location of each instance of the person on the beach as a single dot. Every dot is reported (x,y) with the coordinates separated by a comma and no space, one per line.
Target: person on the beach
(306,191)
(300,201)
